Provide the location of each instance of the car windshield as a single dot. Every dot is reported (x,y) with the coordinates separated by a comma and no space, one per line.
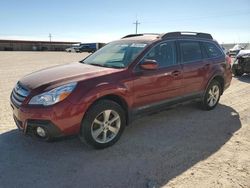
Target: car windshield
(115,54)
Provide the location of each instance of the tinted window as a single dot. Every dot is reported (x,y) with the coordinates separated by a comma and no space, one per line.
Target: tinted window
(191,51)
(212,50)
(204,51)
(163,53)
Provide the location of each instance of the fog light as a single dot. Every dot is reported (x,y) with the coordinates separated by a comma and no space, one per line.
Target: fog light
(40,132)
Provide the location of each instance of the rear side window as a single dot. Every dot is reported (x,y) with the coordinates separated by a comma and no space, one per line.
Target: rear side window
(212,49)
(191,51)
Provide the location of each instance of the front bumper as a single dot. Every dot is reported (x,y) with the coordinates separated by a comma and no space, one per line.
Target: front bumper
(59,120)
(29,128)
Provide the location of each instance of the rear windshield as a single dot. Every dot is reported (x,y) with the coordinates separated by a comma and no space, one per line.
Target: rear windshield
(116,54)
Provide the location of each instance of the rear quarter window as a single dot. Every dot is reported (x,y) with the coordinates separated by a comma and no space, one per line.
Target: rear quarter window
(212,50)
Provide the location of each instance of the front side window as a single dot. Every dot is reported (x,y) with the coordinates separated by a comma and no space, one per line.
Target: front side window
(191,51)
(212,49)
(164,54)
(116,54)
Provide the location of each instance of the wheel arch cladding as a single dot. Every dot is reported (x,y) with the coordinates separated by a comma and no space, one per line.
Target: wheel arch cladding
(220,79)
(119,100)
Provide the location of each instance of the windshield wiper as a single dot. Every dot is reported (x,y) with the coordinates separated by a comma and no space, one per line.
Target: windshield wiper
(96,64)
(101,65)
(116,67)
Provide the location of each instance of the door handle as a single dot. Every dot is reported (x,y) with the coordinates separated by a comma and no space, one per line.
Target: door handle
(176,73)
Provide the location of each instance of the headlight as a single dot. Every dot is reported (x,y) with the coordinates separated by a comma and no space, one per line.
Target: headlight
(53,96)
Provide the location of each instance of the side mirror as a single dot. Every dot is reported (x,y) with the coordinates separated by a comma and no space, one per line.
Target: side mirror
(149,64)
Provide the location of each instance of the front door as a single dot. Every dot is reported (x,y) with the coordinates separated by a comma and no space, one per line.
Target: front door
(156,86)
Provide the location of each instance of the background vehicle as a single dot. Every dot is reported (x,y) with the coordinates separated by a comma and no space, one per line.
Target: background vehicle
(235,50)
(241,64)
(90,47)
(139,74)
(86,47)
(71,49)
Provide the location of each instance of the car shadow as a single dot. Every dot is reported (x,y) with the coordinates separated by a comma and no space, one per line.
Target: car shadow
(244,78)
(155,148)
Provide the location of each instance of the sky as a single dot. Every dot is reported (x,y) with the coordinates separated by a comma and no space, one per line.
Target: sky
(107,20)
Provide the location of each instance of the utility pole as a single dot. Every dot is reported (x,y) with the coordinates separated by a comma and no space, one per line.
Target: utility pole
(136,26)
(50,37)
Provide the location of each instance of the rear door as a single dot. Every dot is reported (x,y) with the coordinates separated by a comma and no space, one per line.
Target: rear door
(194,66)
(218,61)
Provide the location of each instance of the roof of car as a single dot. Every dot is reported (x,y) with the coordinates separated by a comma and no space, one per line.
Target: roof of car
(178,34)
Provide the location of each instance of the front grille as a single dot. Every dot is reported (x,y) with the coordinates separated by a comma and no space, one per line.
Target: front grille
(19,94)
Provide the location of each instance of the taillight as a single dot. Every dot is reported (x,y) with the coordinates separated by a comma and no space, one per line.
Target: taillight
(229,61)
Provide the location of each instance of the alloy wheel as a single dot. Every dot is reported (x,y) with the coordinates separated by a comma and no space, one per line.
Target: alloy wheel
(213,95)
(105,126)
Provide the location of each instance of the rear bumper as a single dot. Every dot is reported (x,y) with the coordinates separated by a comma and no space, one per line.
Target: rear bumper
(227,78)
(226,86)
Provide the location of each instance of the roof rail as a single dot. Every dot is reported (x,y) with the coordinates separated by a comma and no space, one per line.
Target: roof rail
(187,34)
(141,34)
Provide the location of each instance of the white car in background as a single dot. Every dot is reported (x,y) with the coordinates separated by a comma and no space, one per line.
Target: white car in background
(235,50)
(71,49)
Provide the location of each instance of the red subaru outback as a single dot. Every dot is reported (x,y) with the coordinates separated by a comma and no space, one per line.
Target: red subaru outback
(98,96)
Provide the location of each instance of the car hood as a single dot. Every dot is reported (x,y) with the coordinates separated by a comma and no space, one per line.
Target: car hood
(63,74)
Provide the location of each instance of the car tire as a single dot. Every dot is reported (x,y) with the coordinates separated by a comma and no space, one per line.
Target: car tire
(103,124)
(212,95)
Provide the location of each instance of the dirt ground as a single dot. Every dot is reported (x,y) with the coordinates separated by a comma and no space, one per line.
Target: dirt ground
(180,147)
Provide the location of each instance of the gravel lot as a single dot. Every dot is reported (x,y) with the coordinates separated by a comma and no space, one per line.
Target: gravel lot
(180,147)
